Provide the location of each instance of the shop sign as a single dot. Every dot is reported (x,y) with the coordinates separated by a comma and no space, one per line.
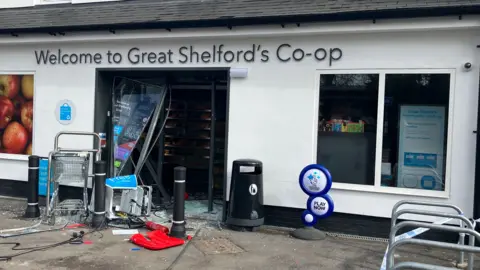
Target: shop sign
(216,54)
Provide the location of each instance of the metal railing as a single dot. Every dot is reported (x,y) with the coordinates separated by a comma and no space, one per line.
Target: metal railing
(464,222)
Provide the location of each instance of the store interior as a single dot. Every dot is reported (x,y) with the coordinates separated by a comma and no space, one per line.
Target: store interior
(347,128)
(190,131)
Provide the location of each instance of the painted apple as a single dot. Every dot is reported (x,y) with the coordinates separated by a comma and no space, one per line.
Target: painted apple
(26,115)
(7,110)
(27,86)
(15,138)
(28,151)
(7,151)
(18,101)
(9,85)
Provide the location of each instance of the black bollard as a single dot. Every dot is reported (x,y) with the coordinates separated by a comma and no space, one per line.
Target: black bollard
(33,211)
(178,223)
(99,189)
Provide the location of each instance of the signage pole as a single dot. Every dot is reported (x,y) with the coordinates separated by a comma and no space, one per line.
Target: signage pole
(315,181)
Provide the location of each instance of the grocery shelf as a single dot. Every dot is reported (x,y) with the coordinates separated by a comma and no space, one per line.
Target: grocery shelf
(192,137)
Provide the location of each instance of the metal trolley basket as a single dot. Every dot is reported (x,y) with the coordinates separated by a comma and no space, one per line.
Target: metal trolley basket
(68,166)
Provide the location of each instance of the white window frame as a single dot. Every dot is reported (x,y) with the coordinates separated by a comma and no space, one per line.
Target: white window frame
(377,188)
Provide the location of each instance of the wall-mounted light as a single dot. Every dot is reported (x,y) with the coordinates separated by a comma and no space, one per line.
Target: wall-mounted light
(238,73)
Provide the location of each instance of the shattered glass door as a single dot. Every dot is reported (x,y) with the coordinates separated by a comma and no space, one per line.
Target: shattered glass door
(133,105)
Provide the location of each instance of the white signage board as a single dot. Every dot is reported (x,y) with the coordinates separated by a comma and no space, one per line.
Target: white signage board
(421,147)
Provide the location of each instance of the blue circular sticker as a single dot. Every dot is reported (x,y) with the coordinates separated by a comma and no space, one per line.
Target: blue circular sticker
(315,180)
(321,206)
(308,218)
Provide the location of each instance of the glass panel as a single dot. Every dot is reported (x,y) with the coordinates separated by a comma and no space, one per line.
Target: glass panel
(347,127)
(415,131)
(134,103)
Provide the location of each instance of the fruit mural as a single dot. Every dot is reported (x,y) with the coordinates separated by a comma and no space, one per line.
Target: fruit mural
(16,114)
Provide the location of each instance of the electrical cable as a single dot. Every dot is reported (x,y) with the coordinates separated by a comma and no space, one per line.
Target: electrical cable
(33,249)
(73,240)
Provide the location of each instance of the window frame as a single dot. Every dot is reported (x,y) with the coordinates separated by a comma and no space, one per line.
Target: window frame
(377,188)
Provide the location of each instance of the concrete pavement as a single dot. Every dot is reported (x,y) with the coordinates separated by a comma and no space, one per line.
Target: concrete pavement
(214,248)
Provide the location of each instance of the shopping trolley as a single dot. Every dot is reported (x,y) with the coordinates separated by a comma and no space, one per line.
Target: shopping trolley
(69,166)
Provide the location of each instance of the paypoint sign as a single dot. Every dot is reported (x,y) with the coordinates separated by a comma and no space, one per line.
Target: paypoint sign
(188,54)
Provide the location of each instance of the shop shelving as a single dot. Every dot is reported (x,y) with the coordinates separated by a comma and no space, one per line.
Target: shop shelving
(191,137)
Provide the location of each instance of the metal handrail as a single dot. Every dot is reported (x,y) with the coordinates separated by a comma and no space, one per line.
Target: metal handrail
(435,204)
(463,222)
(413,202)
(391,249)
(427,243)
(460,217)
(421,266)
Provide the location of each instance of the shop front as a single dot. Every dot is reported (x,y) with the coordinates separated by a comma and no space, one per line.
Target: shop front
(390,111)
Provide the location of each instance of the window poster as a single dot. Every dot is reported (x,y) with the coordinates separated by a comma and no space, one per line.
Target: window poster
(421,147)
(16,113)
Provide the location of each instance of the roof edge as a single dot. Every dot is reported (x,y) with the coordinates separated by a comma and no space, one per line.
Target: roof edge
(251,21)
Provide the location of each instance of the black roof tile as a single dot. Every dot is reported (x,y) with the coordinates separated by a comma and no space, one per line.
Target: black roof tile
(197,13)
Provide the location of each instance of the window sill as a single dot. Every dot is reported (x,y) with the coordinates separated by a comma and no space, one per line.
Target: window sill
(392,190)
(13,157)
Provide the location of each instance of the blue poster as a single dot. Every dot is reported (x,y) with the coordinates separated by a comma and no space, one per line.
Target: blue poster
(421,147)
(42,178)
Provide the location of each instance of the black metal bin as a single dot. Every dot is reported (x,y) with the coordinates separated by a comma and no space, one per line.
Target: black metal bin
(246,194)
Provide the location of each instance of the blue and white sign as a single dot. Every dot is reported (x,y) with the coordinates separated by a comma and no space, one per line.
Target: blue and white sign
(122,182)
(321,206)
(42,178)
(315,180)
(65,112)
(421,147)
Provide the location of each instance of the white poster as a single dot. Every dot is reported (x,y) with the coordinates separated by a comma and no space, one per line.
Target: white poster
(421,147)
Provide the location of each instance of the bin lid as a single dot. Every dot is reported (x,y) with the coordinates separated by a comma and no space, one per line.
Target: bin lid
(247,162)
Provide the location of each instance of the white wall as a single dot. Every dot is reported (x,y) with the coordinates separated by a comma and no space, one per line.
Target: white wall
(16,3)
(272,111)
(30,3)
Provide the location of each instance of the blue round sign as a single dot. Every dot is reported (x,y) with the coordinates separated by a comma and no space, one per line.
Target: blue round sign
(308,218)
(315,180)
(321,206)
